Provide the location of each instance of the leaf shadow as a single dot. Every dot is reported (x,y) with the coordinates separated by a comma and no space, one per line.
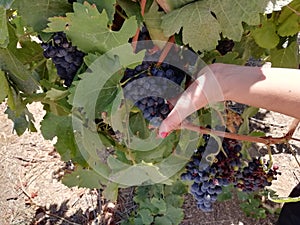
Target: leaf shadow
(58,215)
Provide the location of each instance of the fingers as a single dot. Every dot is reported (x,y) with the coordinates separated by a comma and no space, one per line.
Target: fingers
(205,89)
(190,101)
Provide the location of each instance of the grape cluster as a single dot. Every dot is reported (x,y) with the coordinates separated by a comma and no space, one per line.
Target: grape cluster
(149,84)
(226,169)
(254,62)
(225,45)
(254,177)
(209,180)
(66,58)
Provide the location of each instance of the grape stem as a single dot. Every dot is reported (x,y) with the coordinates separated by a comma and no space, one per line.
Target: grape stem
(264,140)
(166,50)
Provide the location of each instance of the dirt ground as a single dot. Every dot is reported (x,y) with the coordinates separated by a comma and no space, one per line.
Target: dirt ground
(32,194)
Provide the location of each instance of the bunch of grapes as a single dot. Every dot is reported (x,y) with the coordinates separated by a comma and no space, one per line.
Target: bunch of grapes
(225,45)
(254,62)
(66,58)
(209,180)
(254,177)
(149,84)
(227,168)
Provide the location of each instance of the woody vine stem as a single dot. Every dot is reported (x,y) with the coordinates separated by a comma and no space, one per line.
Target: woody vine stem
(264,140)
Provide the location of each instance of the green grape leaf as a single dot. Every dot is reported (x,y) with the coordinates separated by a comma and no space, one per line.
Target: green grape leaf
(99,89)
(248,112)
(138,125)
(169,5)
(3,28)
(139,174)
(6,3)
(116,165)
(178,188)
(285,57)
(21,122)
(158,152)
(132,9)
(174,199)
(265,34)
(18,72)
(83,178)
(43,9)
(59,108)
(55,94)
(247,48)
(231,14)
(160,204)
(152,19)
(289,21)
(176,215)
(146,216)
(200,29)
(230,58)
(96,36)
(4,88)
(62,128)
(108,5)
(226,193)
(162,220)
(28,51)
(111,191)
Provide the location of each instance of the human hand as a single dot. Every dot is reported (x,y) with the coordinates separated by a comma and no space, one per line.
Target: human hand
(205,89)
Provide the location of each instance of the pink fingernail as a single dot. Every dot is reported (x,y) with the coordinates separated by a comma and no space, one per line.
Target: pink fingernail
(164,134)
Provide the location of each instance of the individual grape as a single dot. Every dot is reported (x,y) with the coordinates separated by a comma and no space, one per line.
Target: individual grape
(66,58)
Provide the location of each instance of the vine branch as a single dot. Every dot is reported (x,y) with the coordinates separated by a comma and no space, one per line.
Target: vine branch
(292,128)
(264,140)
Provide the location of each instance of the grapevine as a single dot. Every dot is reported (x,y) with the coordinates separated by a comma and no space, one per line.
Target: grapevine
(114,69)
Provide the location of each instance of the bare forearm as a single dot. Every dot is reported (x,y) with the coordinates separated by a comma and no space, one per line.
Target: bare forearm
(275,89)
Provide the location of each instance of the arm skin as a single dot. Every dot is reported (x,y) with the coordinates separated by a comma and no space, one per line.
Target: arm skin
(275,89)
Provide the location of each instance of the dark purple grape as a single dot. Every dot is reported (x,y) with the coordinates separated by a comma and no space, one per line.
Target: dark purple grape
(66,58)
